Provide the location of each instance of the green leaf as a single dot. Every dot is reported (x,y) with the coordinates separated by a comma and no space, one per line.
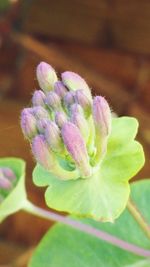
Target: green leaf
(63,246)
(15,199)
(104,195)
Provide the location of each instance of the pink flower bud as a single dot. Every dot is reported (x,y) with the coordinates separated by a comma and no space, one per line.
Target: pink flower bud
(53,137)
(27,111)
(74,82)
(75,108)
(102,115)
(38,98)
(76,147)
(42,152)
(53,101)
(8,173)
(28,124)
(40,113)
(46,76)
(4,182)
(69,99)
(84,101)
(60,118)
(77,117)
(41,125)
(60,89)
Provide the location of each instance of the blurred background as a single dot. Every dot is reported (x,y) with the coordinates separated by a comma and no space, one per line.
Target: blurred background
(105,41)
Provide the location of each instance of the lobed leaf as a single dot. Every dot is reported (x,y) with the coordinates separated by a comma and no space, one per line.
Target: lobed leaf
(103,196)
(63,246)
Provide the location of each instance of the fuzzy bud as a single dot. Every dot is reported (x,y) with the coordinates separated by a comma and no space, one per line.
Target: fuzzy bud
(73,82)
(42,152)
(28,124)
(102,115)
(53,137)
(40,113)
(76,147)
(46,76)
(41,125)
(38,98)
(69,99)
(53,101)
(8,173)
(84,101)
(77,117)
(4,182)
(60,89)
(60,118)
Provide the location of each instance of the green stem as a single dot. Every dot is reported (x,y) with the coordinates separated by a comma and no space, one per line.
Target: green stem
(31,208)
(138,217)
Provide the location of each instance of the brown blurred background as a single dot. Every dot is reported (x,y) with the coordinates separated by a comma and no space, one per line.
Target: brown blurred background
(106,41)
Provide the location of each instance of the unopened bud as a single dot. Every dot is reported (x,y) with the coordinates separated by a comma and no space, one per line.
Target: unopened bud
(69,99)
(28,124)
(42,152)
(74,82)
(76,147)
(76,108)
(102,115)
(40,113)
(4,182)
(102,120)
(41,125)
(27,111)
(77,117)
(60,89)
(38,98)
(53,137)
(8,173)
(85,102)
(53,101)
(60,118)
(46,76)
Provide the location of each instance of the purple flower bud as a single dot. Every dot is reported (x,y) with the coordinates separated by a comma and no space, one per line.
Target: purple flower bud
(76,108)
(85,102)
(76,147)
(27,111)
(69,99)
(38,98)
(73,82)
(42,152)
(8,173)
(102,115)
(28,124)
(46,76)
(4,182)
(40,113)
(53,101)
(60,118)
(77,117)
(60,89)
(53,137)
(41,125)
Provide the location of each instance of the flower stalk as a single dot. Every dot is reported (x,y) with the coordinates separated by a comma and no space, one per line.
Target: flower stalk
(49,215)
(138,217)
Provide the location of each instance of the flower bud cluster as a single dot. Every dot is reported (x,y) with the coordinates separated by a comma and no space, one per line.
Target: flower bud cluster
(7,181)
(68,130)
